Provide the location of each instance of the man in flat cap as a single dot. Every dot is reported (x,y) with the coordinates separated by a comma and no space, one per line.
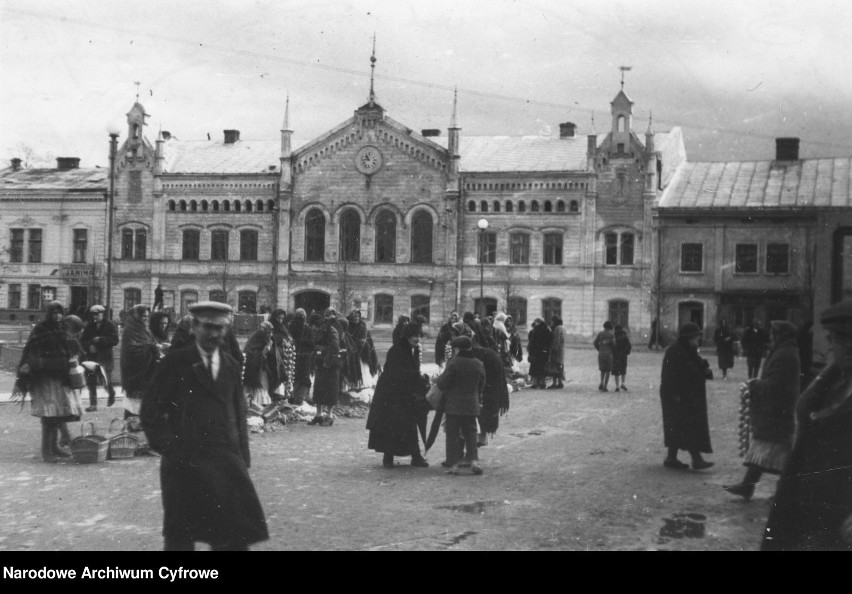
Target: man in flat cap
(462,383)
(812,510)
(97,340)
(194,416)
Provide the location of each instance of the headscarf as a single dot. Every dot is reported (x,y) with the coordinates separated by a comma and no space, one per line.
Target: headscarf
(300,313)
(783,331)
(139,352)
(73,323)
(154,326)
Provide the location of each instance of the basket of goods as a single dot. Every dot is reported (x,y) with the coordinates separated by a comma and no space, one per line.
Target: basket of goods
(89,447)
(121,445)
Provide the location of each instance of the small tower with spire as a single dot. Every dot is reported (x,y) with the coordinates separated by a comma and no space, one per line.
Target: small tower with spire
(159,153)
(622,114)
(372,72)
(286,178)
(650,158)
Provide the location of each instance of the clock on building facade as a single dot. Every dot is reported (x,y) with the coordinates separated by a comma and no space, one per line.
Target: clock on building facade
(368,160)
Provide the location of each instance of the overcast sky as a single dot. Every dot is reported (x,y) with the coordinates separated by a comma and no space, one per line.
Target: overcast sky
(732,74)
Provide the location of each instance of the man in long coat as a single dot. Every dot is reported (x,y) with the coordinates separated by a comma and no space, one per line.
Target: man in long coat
(684,399)
(462,383)
(98,339)
(194,416)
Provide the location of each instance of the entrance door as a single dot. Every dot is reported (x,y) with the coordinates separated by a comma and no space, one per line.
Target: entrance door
(619,313)
(485,307)
(691,311)
(79,298)
(313,301)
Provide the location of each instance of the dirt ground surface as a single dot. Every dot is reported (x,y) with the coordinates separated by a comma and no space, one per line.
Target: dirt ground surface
(569,469)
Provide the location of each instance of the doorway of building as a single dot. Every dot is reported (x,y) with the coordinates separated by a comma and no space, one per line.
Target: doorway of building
(79,299)
(485,307)
(691,311)
(313,301)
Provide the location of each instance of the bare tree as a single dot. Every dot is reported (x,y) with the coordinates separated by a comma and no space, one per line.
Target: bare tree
(30,157)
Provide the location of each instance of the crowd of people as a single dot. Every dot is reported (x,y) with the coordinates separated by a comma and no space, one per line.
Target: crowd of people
(803,438)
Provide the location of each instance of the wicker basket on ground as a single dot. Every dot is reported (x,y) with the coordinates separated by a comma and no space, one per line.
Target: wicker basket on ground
(122,445)
(89,448)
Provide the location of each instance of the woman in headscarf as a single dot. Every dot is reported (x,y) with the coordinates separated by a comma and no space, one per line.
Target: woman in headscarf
(557,352)
(256,382)
(516,349)
(683,395)
(486,334)
(772,399)
(182,335)
(139,357)
(327,380)
(392,421)
(621,348)
(399,329)
(350,372)
(159,327)
(445,335)
(812,510)
(538,353)
(604,342)
(501,337)
(276,364)
(43,374)
(303,338)
(363,342)
(724,339)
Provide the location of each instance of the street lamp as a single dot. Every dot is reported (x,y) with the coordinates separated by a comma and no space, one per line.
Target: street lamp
(113,147)
(483,225)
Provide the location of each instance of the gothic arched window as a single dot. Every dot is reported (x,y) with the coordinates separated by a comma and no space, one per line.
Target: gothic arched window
(421,238)
(350,236)
(386,237)
(315,236)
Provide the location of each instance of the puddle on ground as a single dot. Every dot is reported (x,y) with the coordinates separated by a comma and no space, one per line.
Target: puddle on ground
(477,507)
(457,539)
(534,432)
(684,525)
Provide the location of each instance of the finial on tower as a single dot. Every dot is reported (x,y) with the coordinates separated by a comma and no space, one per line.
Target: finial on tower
(137,83)
(286,125)
(373,70)
(454,121)
(650,123)
(623,70)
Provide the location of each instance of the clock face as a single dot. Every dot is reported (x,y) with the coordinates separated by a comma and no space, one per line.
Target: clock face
(368,160)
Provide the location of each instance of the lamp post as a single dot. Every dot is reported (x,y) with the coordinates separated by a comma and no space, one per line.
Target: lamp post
(483,225)
(113,147)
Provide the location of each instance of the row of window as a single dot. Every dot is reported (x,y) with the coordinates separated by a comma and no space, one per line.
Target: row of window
(219,245)
(746,258)
(223,206)
(509,206)
(527,186)
(246,300)
(29,243)
(15,295)
(618,248)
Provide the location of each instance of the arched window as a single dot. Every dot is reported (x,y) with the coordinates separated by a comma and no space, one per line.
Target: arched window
(247,302)
(386,237)
(619,312)
(315,236)
(421,238)
(509,206)
(350,236)
(193,206)
(522,207)
(483,206)
(534,206)
(248,206)
(258,206)
(171,205)
(548,206)
(183,205)
(574,206)
(227,206)
(215,206)
(471,206)
(237,206)
(560,206)
(204,205)
(270,205)
(496,206)
(218,295)
(621,123)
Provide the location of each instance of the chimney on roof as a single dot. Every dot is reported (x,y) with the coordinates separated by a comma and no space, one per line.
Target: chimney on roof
(166,135)
(786,149)
(16,164)
(427,132)
(66,163)
(567,129)
(232,136)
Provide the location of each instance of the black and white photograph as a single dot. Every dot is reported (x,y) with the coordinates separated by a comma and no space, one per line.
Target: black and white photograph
(372,275)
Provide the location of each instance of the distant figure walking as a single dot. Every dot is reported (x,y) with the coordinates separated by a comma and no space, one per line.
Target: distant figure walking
(724,339)
(655,341)
(754,347)
(538,353)
(556,363)
(604,342)
(158,298)
(620,350)
(684,400)
(98,339)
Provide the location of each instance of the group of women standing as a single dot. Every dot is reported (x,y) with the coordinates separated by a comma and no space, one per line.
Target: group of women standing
(546,348)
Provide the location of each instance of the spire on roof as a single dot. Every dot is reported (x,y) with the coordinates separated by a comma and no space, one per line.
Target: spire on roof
(373,71)
(286,125)
(137,83)
(650,123)
(454,121)
(623,70)
(594,131)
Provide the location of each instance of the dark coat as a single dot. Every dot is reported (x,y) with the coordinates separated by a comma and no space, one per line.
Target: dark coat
(303,338)
(462,383)
(199,428)
(538,349)
(445,335)
(396,405)
(814,494)
(724,339)
(684,399)
(621,348)
(754,342)
(773,396)
(256,360)
(327,379)
(103,337)
(495,395)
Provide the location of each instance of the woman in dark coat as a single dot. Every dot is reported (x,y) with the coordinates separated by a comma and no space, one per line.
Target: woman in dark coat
(813,502)
(684,399)
(303,338)
(350,372)
(139,357)
(445,336)
(256,384)
(724,339)
(538,352)
(771,403)
(621,348)
(182,335)
(328,364)
(276,357)
(365,349)
(604,342)
(43,374)
(392,421)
